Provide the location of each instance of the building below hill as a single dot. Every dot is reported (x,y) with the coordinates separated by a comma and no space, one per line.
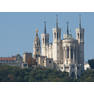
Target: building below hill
(86,66)
(45,62)
(26,61)
(12,61)
(29,60)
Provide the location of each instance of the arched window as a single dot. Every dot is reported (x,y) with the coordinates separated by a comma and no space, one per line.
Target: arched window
(71,53)
(67,52)
(54,35)
(37,43)
(49,61)
(75,54)
(57,35)
(78,35)
(43,40)
(37,49)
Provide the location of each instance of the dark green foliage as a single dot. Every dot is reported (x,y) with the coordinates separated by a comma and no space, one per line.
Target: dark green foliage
(87,76)
(15,74)
(91,63)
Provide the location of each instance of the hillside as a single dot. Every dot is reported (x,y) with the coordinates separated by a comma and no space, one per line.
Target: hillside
(14,74)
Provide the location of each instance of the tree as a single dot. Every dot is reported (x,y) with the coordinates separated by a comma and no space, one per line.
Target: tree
(87,76)
(91,63)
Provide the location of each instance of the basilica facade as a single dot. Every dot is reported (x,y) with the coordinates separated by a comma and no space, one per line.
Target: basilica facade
(65,54)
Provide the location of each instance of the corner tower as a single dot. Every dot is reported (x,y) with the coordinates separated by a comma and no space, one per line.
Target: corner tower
(44,41)
(80,38)
(57,44)
(36,46)
(70,50)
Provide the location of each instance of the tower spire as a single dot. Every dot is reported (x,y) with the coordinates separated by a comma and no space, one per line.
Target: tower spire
(56,21)
(80,21)
(67,28)
(70,30)
(36,32)
(44,27)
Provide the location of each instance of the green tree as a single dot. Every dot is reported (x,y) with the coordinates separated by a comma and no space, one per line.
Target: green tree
(91,63)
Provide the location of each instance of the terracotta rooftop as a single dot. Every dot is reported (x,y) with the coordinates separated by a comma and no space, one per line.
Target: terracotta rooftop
(7,58)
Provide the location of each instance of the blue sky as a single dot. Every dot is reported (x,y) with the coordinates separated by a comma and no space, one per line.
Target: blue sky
(17,30)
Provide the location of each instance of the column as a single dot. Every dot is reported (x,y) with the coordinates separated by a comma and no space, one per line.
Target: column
(73,55)
(69,53)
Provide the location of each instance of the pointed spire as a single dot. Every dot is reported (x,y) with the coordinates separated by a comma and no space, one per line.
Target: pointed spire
(56,21)
(67,28)
(80,21)
(36,32)
(44,27)
(70,30)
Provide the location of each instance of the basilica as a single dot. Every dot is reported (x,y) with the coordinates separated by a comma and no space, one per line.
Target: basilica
(65,54)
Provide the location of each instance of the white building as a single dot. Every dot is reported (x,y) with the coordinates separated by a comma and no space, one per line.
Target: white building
(67,53)
(45,62)
(86,66)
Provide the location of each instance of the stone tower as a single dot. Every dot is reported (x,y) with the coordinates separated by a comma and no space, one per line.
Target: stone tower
(80,38)
(57,44)
(44,41)
(36,47)
(70,50)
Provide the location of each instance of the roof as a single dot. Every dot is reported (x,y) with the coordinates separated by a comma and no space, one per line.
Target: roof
(7,58)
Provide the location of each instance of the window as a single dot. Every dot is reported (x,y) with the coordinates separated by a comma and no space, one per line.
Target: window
(78,35)
(25,65)
(66,67)
(75,54)
(43,61)
(36,56)
(71,53)
(43,40)
(54,35)
(37,50)
(61,67)
(72,67)
(67,52)
(37,43)
(78,68)
(57,35)
(49,61)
